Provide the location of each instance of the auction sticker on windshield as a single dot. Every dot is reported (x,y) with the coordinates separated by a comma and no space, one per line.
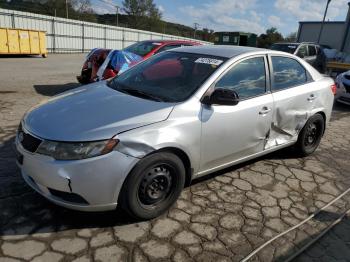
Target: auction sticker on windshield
(209,61)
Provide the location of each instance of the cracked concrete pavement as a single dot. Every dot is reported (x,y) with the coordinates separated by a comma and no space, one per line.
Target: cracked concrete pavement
(221,217)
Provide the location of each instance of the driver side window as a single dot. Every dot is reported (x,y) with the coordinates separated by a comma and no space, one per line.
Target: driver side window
(247,78)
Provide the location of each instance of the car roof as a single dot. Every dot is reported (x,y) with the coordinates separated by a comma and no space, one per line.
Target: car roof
(287,43)
(171,41)
(295,43)
(227,51)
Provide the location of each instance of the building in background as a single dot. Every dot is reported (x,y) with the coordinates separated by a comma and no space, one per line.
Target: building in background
(334,34)
(235,38)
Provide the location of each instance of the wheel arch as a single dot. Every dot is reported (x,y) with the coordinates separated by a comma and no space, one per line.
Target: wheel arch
(324,119)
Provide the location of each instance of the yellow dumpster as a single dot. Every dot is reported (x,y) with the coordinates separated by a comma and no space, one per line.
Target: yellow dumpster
(22,41)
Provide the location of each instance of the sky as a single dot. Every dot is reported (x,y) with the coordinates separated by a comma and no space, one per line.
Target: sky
(241,15)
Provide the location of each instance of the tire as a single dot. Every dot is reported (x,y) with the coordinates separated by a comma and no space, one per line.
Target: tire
(153,185)
(310,136)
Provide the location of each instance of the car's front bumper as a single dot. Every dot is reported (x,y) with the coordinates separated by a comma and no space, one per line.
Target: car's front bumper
(88,185)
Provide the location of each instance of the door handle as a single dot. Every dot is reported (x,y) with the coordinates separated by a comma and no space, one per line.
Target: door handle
(312,97)
(264,110)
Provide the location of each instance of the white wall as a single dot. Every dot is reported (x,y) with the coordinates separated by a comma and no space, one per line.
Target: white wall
(67,35)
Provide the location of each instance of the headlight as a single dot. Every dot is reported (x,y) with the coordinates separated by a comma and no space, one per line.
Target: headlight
(75,151)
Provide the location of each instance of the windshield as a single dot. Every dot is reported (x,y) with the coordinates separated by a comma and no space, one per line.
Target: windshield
(169,77)
(142,48)
(289,48)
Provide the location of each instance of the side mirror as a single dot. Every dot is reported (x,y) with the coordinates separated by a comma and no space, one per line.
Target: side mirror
(221,96)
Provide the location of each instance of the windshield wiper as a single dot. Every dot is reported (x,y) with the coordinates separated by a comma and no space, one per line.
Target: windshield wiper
(140,93)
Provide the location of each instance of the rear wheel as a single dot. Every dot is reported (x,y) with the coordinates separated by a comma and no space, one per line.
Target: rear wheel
(310,136)
(153,185)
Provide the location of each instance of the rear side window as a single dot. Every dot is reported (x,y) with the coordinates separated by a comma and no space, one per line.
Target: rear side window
(312,50)
(302,52)
(287,72)
(247,78)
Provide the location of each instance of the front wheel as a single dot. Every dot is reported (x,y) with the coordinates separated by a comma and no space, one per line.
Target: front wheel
(153,185)
(310,136)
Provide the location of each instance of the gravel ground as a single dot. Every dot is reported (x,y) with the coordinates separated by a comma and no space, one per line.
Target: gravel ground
(221,217)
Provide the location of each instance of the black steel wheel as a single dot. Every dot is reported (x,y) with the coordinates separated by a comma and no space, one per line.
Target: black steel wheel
(153,185)
(310,136)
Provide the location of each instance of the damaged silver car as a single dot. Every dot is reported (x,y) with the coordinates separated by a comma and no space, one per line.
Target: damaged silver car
(139,138)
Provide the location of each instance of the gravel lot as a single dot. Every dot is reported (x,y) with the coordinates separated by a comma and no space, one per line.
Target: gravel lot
(222,217)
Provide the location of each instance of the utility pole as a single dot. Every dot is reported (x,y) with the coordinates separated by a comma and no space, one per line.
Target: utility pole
(324,18)
(67,9)
(195,30)
(117,14)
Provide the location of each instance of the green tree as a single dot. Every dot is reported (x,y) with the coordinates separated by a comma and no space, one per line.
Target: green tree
(270,37)
(292,37)
(143,14)
(77,9)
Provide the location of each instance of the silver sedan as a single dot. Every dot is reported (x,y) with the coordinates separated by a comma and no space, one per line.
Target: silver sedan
(136,140)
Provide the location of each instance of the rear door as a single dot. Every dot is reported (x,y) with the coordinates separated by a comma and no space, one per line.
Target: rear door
(294,93)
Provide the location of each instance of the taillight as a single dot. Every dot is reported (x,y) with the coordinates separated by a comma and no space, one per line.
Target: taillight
(334,89)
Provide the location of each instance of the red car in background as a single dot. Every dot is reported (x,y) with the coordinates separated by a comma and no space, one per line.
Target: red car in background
(93,61)
(145,49)
(151,47)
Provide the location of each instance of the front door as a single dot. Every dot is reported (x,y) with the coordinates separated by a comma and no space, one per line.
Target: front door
(230,133)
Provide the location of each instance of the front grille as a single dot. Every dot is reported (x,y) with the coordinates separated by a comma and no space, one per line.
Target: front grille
(347,87)
(68,197)
(29,142)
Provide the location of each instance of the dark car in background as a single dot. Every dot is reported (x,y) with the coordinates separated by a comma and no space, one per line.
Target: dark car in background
(144,49)
(310,52)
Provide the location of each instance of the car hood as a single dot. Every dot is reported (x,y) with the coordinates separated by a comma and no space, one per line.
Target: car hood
(92,112)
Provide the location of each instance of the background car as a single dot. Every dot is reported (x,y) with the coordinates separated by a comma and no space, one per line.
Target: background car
(151,47)
(92,63)
(143,49)
(310,52)
(116,62)
(343,88)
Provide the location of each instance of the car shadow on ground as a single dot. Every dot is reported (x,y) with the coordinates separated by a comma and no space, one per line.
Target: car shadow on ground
(285,153)
(20,56)
(339,111)
(51,90)
(23,211)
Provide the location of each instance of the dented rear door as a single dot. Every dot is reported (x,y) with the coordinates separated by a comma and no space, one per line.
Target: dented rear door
(294,93)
